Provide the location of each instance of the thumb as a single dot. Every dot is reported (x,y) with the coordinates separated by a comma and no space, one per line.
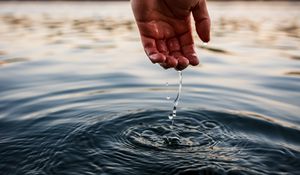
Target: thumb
(202,20)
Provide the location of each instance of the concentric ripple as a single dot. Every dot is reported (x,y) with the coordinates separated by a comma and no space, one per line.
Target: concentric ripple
(186,134)
(199,142)
(145,142)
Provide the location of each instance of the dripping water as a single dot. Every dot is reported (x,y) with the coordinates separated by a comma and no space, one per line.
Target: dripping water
(168,97)
(176,101)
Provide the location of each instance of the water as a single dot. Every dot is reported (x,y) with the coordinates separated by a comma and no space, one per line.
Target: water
(167,97)
(176,101)
(79,96)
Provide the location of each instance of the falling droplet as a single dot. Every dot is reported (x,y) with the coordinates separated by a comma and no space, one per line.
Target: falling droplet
(176,101)
(168,97)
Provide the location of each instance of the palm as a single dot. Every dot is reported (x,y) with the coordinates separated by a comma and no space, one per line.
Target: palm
(166,34)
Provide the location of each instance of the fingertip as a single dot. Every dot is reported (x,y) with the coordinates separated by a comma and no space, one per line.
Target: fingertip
(182,63)
(202,19)
(171,61)
(193,59)
(164,65)
(157,58)
(203,30)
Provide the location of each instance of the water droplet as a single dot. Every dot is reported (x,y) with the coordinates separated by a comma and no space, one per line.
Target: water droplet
(168,98)
(167,84)
(176,101)
(205,44)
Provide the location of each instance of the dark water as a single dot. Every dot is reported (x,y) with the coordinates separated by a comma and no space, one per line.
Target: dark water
(142,142)
(78,95)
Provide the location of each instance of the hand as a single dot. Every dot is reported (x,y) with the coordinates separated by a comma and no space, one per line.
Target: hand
(166,32)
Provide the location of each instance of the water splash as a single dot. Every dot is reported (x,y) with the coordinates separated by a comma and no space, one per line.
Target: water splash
(176,101)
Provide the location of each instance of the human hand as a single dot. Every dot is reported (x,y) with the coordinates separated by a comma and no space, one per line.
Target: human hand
(166,31)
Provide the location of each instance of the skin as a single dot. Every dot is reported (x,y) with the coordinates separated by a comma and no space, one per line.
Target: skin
(166,30)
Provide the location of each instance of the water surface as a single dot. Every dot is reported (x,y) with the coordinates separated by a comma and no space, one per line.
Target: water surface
(79,96)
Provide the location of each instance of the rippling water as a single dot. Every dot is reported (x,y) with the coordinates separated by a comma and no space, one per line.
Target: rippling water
(78,95)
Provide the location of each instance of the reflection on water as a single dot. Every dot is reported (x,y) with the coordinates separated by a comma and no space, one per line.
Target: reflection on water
(293,73)
(79,96)
(214,49)
(12,60)
(201,142)
(295,57)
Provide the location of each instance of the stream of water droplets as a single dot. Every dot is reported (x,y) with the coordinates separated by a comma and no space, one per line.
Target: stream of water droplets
(176,100)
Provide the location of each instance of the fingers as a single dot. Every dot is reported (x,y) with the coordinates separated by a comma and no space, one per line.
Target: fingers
(157,58)
(170,62)
(187,47)
(151,50)
(175,50)
(178,62)
(202,20)
(193,59)
(183,63)
(169,54)
(162,47)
